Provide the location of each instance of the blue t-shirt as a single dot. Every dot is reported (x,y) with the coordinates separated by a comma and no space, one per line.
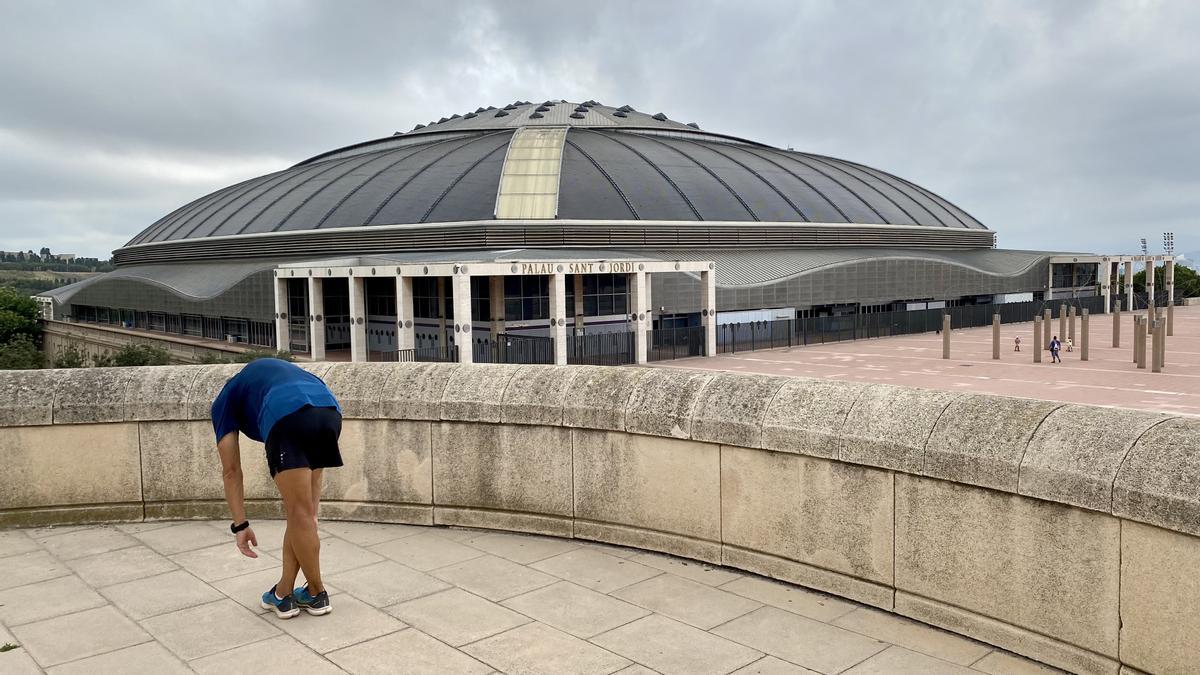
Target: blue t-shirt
(265,391)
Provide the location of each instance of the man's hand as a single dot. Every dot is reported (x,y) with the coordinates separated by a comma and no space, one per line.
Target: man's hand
(244,539)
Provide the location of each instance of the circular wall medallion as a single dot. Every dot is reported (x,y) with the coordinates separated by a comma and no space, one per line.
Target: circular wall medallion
(642,316)
(350,272)
(457,328)
(293,272)
(467,328)
(328,273)
(283,315)
(711,266)
(320,318)
(601,267)
(426,270)
(276,272)
(310,273)
(513,269)
(310,318)
(397,271)
(463,269)
(641,267)
(372,270)
(704,312)
(560,269)
(676,265)
(553,322)
(408,323)
(359,320)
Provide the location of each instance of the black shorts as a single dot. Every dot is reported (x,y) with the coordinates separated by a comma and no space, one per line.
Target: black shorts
(305,438)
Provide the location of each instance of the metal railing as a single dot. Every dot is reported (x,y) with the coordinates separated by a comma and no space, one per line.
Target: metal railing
(676,343)
(601,349)
(509,348)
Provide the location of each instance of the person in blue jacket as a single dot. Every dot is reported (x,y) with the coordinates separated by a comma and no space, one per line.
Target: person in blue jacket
(299,420)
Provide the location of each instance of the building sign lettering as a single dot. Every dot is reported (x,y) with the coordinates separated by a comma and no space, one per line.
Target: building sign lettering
(577,268)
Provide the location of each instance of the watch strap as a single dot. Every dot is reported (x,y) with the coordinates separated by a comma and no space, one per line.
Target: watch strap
(235,528)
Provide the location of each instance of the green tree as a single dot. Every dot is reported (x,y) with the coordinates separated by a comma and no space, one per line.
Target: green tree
(71,357)
(1187,281)
(18,315)
(140,355)
(20,353)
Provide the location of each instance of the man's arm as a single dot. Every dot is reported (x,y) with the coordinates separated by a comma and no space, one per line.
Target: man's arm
(235,495)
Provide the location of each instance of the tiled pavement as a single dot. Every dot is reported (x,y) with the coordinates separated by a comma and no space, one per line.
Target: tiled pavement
(177,598)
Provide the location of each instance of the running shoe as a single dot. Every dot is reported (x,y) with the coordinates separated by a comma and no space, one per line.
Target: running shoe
(284,608)
(313,604)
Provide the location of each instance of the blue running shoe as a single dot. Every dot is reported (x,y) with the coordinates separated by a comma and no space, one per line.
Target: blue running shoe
(313,604)
(284,608)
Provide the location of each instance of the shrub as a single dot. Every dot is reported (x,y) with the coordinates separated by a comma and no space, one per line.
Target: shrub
(139,355)
(20,353)
(70,357)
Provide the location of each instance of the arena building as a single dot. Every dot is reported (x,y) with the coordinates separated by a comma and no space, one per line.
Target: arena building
(581,227)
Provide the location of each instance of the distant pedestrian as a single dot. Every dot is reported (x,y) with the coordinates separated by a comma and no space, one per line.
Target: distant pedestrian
(1070,344)
(1055,346)
(1017,344)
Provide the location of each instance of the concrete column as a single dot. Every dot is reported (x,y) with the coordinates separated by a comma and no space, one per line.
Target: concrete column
(1137,326)
(1128,286)
(1140,343)
(708,311)
(1083,336)
(443,339)
(281,317)
(1062,322)
(316,319)
(1116,327)
(1169,284)
(496,305)
(406,329)
(1037,339)
(1156,357)
(995,336)
(358,318)
(558,316)
(579,304)
(1105,284)
(1047,317)
(945,336)
(462,316)
(1150,290)
(639,296)
(1071,323)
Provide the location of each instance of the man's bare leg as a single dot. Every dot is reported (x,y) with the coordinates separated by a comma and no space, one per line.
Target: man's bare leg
(300,538)
(291,564)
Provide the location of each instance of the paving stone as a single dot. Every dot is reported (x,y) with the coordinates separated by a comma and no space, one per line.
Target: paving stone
(199,631)
(494,578)
(802,601)
(688,569)
(636,669)
(160,594)
(135,528)
(457,617)
(622,552)
(351,621)
(115,567)
(28,568)
(409,652)
(457,534)
(268,533)
(426,552)
(223,561)
(338,555)
(386,583)
(369,534)
(577,610)
(800,640)
(537,648)
(18,662)
(79,635)
(148,658)
(913,635)
(278,654)
(900,661)
(687,601)
(520,548)
(672,647)
(595,569)
(182,537)
(46,599)
(769,665)
(51,530)
(1004,663)
(247,589)
(13,542)
(86,542)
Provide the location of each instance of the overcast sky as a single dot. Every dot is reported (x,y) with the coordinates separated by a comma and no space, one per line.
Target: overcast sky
(1060,125)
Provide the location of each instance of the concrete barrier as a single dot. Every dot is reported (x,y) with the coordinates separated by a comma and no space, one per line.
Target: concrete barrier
(1069,534)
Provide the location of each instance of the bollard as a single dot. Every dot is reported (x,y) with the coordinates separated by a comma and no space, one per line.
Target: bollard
(1046,328)
(1062,322)
(1162,348)
(945,336)
(1156,347)
(1140,344)
(1083,336)
(1037,338)
(1117,326)
(1071,323)
(1170,316)
(1136,324)
(995,336)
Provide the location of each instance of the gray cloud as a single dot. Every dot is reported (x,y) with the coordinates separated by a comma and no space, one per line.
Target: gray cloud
(1065,125)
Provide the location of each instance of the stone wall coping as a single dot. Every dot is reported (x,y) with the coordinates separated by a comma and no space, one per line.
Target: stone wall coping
(1136,465)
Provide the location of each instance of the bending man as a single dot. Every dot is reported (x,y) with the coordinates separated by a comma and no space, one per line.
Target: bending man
(300,420)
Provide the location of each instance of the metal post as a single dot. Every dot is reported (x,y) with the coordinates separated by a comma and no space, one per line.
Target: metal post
(1116,342)
(708,310)
(462,315)
(405,325)
(316,319)
(1037,338)
(558,316)
(995,336)
(1083,336)
(358,318)
(945,336)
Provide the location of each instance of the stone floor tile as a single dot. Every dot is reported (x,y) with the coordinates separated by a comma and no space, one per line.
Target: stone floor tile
(186,536)
(160,594)
(339,555)
(494,578)
(769,665)
(912,635)
(202,630)
(134,528)
(223,561)
(351,621)
(574,609)
(595,569)
(704,573)
(247,589)
(536,648)
(28,568)
(18,662)
(148,658)
(268,533)
(900,661)
(1003,663)
(426,552)
(687,601)
(386,583)
(86,542)
(800,640)
(523,549)
(369,534)
(13,542)
(46,599)
(77,636)
(457,534)
(636,669)
(408,651)
(457,617)
(280,654)
(115,567)
(802,601)
(611,549)
(669,646)
(51,530)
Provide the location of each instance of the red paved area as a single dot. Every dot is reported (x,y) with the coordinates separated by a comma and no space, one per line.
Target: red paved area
(1108,378)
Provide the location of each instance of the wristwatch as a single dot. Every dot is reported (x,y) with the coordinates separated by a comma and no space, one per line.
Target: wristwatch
(235,528)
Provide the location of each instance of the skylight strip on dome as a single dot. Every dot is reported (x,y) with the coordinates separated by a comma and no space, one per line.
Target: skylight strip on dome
(529,179)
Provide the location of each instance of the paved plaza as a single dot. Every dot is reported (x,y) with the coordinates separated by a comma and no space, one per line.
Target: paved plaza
(1108,378)
(176,597)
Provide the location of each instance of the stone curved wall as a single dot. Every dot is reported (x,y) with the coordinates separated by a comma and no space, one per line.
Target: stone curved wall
(1067,533)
